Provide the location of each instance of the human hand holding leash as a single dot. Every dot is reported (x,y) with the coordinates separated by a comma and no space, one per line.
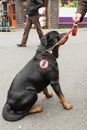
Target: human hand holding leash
(64,38)
(77,17)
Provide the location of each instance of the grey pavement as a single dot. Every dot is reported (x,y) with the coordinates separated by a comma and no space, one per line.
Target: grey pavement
(73,79)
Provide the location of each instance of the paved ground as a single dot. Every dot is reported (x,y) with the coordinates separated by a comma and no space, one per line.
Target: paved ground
(73,79)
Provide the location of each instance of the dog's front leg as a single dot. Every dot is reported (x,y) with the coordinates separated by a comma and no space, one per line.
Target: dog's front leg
(57,89)
(47,93)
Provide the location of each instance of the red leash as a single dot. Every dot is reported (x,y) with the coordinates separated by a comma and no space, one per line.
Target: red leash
(73,30)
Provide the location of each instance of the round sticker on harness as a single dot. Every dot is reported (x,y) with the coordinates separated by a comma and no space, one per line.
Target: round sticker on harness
(44,64)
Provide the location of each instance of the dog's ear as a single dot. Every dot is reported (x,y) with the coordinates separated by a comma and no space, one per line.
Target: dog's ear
(44,40)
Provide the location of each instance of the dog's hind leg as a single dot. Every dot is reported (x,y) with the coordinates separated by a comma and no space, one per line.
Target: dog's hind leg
(38,109)
(33,99)
(47,93)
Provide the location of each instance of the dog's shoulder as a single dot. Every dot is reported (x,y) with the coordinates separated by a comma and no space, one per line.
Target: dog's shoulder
(45,61)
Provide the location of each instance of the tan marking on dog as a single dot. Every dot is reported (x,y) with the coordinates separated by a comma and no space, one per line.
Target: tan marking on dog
(64,103)
(47,93)
(36,109)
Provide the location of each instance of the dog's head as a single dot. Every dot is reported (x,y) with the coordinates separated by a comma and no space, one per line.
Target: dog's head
(49,40)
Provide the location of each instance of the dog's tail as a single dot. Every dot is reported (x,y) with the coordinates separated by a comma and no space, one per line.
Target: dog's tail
(10,115)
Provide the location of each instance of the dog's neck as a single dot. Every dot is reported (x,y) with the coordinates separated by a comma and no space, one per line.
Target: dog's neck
(42,49)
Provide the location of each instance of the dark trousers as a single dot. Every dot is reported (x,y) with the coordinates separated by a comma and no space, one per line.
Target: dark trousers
(31,20)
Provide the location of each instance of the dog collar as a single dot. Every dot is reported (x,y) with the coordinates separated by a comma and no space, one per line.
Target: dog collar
(49,50)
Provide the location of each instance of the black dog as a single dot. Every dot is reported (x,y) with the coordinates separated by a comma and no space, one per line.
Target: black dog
(39,72)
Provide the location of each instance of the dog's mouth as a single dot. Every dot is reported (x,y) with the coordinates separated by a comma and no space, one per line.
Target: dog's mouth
(63,39)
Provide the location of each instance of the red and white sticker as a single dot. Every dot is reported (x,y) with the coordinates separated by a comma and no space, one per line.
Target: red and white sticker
(44,64)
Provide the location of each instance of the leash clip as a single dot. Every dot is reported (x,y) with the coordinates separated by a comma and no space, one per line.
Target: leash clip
(50,50)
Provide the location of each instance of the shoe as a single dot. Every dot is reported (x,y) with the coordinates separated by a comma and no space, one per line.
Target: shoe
(21,45)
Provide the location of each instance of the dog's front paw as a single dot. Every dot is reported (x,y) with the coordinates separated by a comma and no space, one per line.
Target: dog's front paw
(67,106)
(36,109)
(49,95)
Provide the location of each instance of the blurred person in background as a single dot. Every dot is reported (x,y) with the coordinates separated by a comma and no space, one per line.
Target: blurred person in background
(32,18)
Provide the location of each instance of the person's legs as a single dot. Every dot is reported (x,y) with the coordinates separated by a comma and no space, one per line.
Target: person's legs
(35,21)
(26,32)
